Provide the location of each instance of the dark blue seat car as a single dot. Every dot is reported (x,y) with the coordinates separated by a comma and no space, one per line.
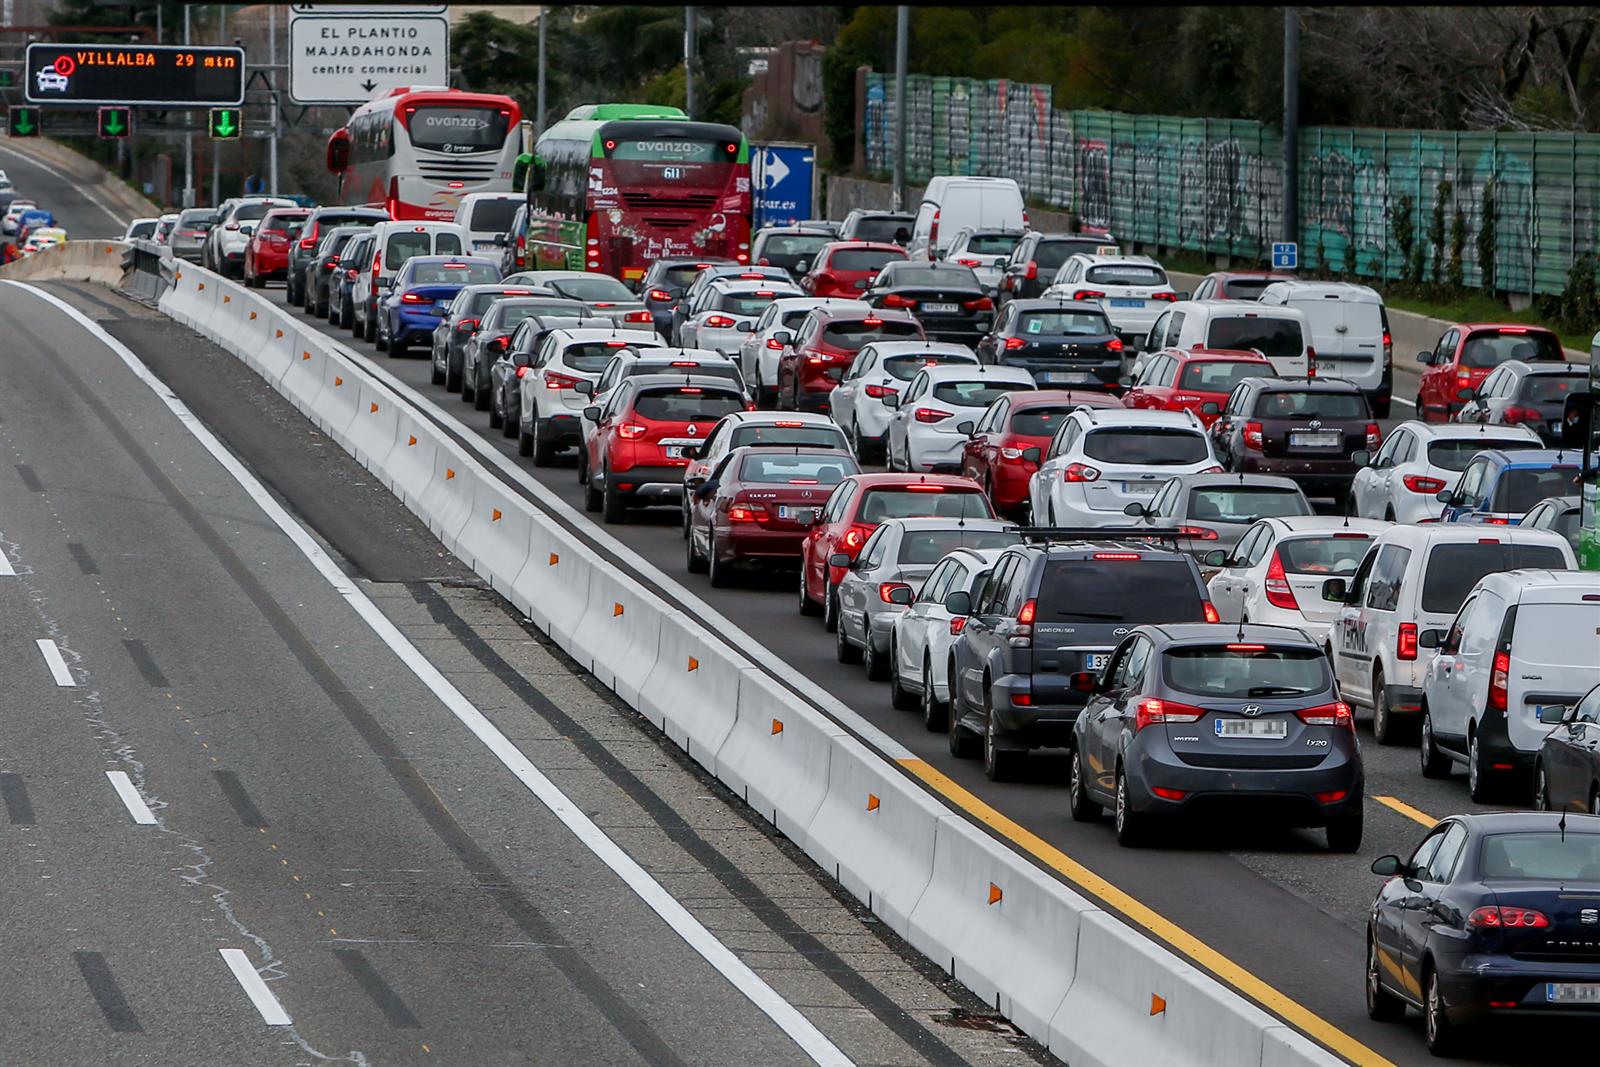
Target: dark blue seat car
(421,296)
(1499,487)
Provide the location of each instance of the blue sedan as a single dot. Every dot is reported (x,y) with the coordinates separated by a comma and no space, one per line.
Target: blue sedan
(420,297)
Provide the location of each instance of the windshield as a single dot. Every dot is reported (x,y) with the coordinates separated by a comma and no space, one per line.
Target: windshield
(454,274)
(1247,288)
(1131,591)
(719,369)
(1454,569)
(1040,421)
(1051,254)
(1220,375)
(905,367)
(957,277)
(750,304)
(882,504)
(812,435)
(881,227)
(459,130)
(797,470)
(862,259)
(1539,856)
(1520,488)
(793,244)
(1551,388)
(1273,338)
(1126,274)
(1246,503)
(850,336)
(1490,348)
(1146,446)
(493,216)
(1455,455)
(1069,323)
(979,394)
(1235,673)
(686,403)
(1330,554)
(594,288)
(591,357)
(1311,405)
(992,244)
(930,546)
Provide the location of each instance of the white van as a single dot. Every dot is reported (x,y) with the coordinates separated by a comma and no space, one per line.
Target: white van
(394,243)
(1349,330)
(950,203)
(1412,579)
(487,216)
(1279,333)
(1524,645)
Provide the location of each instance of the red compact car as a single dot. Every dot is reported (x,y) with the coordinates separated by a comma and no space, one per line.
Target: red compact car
(814,358)
(266,255)
(634,455)
(758,504)
(856,507)
(992,456)
(1467,353)
(1175,379)
(846,268)
(1238,284)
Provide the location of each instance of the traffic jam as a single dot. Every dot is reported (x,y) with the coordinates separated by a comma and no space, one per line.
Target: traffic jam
(1052,503)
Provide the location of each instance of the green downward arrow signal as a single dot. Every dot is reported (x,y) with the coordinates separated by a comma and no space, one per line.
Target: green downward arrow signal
(24,123)
(225,125)
(114,124)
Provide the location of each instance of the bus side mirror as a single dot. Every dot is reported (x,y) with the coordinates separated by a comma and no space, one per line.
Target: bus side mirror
(1577,419)
(519,171)
(339,151)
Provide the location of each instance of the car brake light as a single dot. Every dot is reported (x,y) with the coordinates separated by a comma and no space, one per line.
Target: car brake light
(308,242)
(895,300)
(924,487)
(516,292)
(1505,917)
(788,423)
(1335,714)
(967,261)
(879,391)
(1388,348)
(856,536)
(1022,700)
(1199,533)
(1406,643)
(631,430)
(1168,794)
(1079,472)
(1007,452)
(874,321)
(982,303)
(747,513)
(957,624)
(1253,436)
(605,303)
(1153,712)
(522,372)
(1088,294)
(1115,344)
(1419,483)
(499,344)
(1029,609)
(774,344)
(1210,611)
(1512,329)
(1464,379)
(1333,796)
(616,344)
(685,363)
(1170,298)
(1513,415)
(1245,648)
(552,380)
(719,322)
(1119,555)
(931,415)
(886,588)
(1374,437)
(1498,679)
(1014,343)
(933,233)
(415,298)
(1279,593)
(638,316)
(660,294)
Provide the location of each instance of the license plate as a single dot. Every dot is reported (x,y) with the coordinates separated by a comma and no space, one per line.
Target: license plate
(675,451)
(1063,376)
(1572,992)
(796,514)
(1125,302)
(1141,488)
(939,309)
(1096,661)
(1251,728)
(1317,439)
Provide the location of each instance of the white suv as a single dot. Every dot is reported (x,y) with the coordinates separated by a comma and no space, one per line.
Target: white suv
(726,310)
(1418,460)
(1524,645)
(1102,459)
(930,421)
(551,406)
(1132,290)
(1412,579)
(879,371)
(236,221)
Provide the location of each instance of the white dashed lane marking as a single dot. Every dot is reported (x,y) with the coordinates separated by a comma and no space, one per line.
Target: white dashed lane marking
(130,798)
(272,1012)
(53,660)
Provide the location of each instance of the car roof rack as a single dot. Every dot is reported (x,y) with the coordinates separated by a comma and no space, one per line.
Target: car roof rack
(1048,534)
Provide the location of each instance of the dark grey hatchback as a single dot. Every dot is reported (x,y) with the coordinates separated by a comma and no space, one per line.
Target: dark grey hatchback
(1194,718)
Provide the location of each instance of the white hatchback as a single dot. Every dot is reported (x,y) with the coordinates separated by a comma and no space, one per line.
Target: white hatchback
(919,647)
(1132,290)
(727,310)
(879,371)
(551,404)
(930,421)
(1419,460)
(1102,459)
(1274,574)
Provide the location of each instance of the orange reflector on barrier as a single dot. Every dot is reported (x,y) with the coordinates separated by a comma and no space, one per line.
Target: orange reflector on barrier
(252,316)
(305,355)
(1158,1004)
(200,285)
(449,472)
(496,517)
(412,439)
(109,249)
(337,381)
(277,335)
(554,558)
(694,664)
(872,802)
(616,610)
(374,410)
(226,299)
(994,894)
(777,726)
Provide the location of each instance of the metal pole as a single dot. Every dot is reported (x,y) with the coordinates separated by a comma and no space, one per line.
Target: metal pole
(538,121)
(902,29)
(688,59)
(216,145)
(272,58)
(188,136)
(1291,124)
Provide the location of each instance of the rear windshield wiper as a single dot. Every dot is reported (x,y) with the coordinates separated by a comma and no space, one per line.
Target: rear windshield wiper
(1275,691)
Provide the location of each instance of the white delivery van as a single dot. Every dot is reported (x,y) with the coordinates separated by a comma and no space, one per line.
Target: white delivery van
(486,216)
(952,202)
(1349,330)
(1279,333)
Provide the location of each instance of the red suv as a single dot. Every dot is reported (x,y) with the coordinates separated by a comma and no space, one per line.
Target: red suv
(1237,284)
(1015,422)
(846,268)
(266,255)
(1467,353)
(854,510)
(1174,379)
(814,357)
(635,455)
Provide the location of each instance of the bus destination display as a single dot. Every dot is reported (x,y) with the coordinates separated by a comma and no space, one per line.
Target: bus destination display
(176,76)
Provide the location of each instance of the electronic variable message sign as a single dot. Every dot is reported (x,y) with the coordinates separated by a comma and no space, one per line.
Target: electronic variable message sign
(134,74)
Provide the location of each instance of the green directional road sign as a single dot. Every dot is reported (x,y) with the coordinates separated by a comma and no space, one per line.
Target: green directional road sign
(115,122)
(226,123)
(23,122)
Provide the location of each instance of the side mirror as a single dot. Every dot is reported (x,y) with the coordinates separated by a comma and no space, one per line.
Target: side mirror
(1084,682)
(1430,639)
(247,229)
(900,594)
(1135,509)
(525,359)
(1425,357)
(584,388)
(1388,866)
(1335,590)
(499,240)
(1032,455)
(338,154)
(1211,407)
(1217,557)
(1445,496)
(1182,294)
(783,337)
(592,412)
(958,602)
(966,427)
(892,401)
(747,326)
(839,559)
(1361,457)
(1466,393)
(1554,714)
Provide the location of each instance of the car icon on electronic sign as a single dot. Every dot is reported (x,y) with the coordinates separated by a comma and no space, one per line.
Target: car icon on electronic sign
(50,78)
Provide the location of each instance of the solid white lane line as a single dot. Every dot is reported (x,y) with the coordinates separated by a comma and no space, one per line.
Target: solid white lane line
(53,660)
(131,798)
(812,1041)
(6,570)
(272,1012)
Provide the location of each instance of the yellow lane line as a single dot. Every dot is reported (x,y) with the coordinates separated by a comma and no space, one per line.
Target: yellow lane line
(1396,804)
(1185,943)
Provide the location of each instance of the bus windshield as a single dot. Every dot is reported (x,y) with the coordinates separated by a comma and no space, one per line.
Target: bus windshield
(458,129)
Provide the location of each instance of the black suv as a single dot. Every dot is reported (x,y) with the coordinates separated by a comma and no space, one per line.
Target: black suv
(1053,607)
(1305,428)
(1033,263)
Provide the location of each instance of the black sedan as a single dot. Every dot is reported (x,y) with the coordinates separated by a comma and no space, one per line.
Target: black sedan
(793,248)
(1566,773)
(664,283)
(1061,342)
(1494,915)
(946,298)
(1525,394)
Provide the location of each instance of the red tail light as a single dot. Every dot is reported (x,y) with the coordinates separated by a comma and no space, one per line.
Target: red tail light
(1279,593)
(1418,483)
(1374,437)
(642,316)
(872,320)
(1311,362)
(1088,294)
(983,303)
(931,415)
(1115,344)
(1514,415)
(1118,555)
(1335,714)
(660,294)
(522,372)
(1211,611)
(632,431)
(774,344)
(1014,343)
(1079,472)
(552,380)
(879,391)
(1493,918)
(719,322)
(1499,677)
(968,262)
(933,234)
(1029,609)
(308,243)
(856,536)
(391,203)
(1252,436)
(1022,700)
(1388,348)
(1170,298)
(895,300)
(499,343)
(1405,646)
(1031,272)
(1199,533)
(957,624)
(923,487)
(886,588)
(747,513)
(415,298)
(1154,712)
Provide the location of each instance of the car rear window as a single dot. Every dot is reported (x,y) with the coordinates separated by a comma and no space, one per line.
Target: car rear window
(853,336)
(455,274)
(880,505)
(976,394)
(686,403)
(1490,348)
(1132,591)
(1456,454)
(1329,554)
(251,212)
(1273,338)
(1452,570)
(142,229)
(1146,446)
(593,288)
(1126,274)
(881,228)
(1551,388)
(1520,488)
(797,470)
(1220,375)
(1246,503)
(1059,323)
(1247,288)
(1307,404)
(289,225)
(681,276)
(1556,633)
(934,277)
(1238,672)
(591,357)
(402,246)
(1539,856)
(750,304)
(863,258)
(508,314)
(905,367)
(930,546)
(493,216)
(992,244)
(794,244)
(1051,254)
(710,369)
(806,435)
(1039,422)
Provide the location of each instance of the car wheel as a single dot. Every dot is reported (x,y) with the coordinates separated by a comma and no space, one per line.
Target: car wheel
(346,316)
(613,508)
(900,699)
(1382,1005)
(1594,800)
(1385,730)
(382,340)
(592,498)
(963,743)
(544,452)
(436,375)
(807,606)
(871,658)
(399,349)
(467,390)
(1434,764)
(1078,803)
(694,562)
(1483,785)
(369,329)
(999,765)
(1130,824)
(1541,788)
(480,398)
(843,650)
(525,445)
(1435,1022)
(496,419)
(935,716)
(683,526)
(830,607)
(1381,406)
(1422,412)
(510,419)
(1344,833)
(721,575)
